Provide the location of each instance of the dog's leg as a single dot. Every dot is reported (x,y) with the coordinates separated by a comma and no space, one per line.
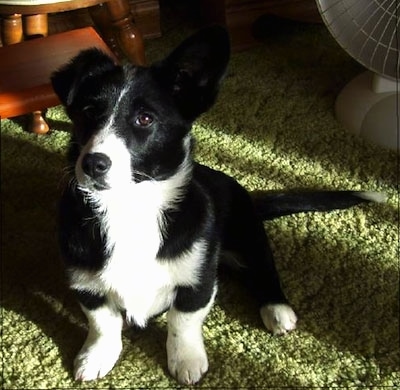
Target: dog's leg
(245,236)
(276,314)
(187,357)
(263,279)
(103,344)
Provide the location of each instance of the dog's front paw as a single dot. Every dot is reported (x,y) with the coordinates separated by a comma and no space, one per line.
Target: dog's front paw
(95,361)
(188,364)
(278,318)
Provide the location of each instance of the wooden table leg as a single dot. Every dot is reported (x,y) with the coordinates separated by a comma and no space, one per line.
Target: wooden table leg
(128,35)
(11,29)
(35,25)
(38,124)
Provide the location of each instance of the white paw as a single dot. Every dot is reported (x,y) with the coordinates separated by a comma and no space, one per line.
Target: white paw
(278,318)
(95,361)
(187,364)
(188,367)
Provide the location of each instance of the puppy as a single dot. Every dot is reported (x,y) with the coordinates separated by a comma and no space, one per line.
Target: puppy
(141,225)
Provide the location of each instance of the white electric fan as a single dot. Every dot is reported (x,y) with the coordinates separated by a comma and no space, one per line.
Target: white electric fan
(369,30)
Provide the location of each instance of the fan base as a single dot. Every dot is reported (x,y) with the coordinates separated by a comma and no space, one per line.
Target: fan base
(370,114)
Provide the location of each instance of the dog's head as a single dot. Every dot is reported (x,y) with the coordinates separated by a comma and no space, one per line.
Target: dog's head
(131,123)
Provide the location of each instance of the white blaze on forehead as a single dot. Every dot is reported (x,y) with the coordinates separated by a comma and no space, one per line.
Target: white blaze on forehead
(106,141)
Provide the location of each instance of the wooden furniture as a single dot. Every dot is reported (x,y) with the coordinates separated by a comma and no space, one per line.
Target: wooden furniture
(26,67)
(113,18)
(26,19)
(239,16)
(146,14)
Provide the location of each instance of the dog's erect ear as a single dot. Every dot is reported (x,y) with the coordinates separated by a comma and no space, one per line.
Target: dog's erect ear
(88,63)
(194,70)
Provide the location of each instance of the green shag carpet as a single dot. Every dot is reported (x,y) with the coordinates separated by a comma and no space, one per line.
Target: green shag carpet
(273,127)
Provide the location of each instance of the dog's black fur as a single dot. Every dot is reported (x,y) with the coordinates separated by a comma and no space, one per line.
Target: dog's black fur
(142,226)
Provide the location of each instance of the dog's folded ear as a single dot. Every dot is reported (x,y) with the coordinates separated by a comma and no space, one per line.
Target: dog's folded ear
(192,73)
(87,64)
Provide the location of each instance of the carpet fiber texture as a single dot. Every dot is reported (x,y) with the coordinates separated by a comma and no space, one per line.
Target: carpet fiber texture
(273,127)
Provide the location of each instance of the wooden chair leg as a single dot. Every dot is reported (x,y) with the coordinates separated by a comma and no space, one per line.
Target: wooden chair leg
(101,20)
(38,124)
(35,26)
(11,29)
(128,35)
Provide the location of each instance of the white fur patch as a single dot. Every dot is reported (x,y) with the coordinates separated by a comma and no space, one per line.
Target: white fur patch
(187,357)
(103,344)
(278,318)
(378,197)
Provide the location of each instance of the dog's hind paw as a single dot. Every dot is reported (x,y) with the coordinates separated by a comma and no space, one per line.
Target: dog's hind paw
(278,318)
(95,361)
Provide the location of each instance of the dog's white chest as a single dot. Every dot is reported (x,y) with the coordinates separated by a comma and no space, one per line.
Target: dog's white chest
(137,282)
(133,279)
(148,286)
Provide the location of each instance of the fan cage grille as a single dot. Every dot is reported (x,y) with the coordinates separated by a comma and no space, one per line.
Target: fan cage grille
(368,30)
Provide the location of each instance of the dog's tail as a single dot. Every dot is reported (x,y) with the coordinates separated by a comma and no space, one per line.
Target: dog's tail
(270,205)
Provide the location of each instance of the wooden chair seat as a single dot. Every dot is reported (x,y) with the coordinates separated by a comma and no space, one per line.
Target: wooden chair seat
(26,67)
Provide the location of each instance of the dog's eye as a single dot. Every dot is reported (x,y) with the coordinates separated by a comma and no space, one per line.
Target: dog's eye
(143,120)
(89,111)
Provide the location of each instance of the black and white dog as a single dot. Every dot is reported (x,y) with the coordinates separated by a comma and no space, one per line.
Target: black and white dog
(142,226)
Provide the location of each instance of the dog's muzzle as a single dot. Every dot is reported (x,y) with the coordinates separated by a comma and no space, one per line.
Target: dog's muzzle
(96,166)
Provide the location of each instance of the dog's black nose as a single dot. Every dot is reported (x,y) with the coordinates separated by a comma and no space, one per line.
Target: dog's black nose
(96,165)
